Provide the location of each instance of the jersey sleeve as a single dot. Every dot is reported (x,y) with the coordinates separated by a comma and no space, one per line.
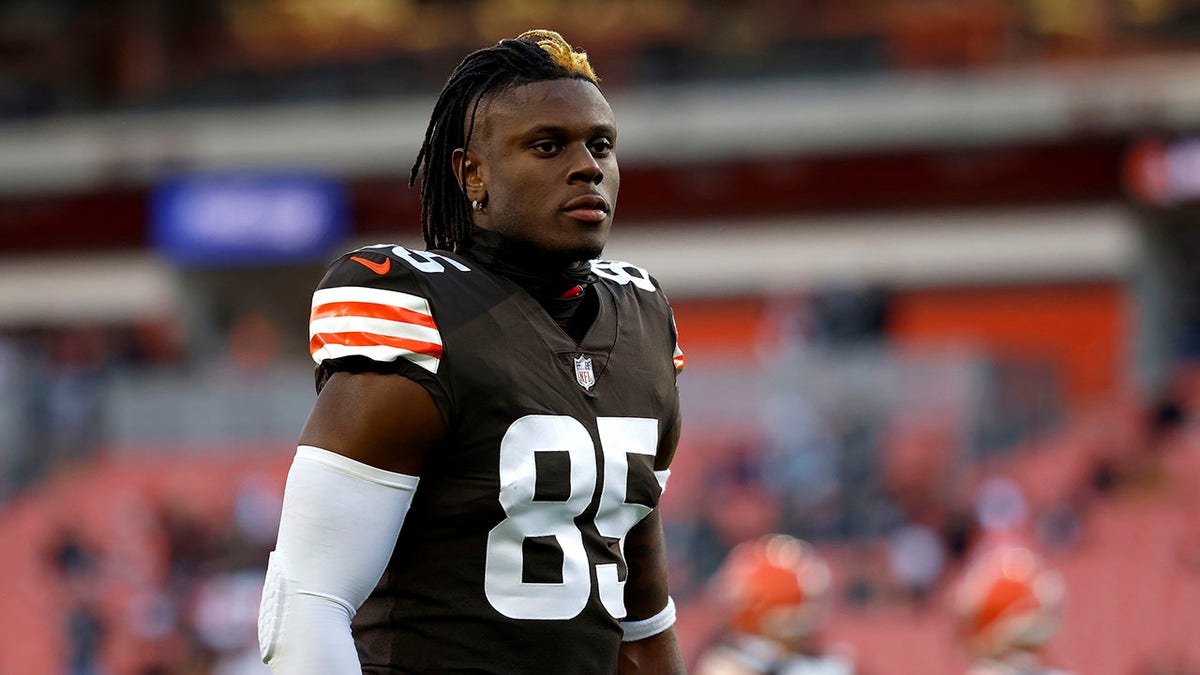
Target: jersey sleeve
(370,314)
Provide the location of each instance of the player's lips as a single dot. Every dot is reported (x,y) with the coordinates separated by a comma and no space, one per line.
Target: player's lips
(591,208)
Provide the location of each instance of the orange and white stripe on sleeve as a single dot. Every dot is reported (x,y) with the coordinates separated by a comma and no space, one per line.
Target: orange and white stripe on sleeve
(380,325)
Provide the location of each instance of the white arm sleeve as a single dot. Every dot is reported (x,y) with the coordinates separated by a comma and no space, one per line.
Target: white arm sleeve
(339,525)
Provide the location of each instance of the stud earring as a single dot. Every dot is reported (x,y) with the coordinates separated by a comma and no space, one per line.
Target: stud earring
(477,206)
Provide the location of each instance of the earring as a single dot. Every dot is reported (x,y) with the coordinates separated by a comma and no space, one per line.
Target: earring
(477,206)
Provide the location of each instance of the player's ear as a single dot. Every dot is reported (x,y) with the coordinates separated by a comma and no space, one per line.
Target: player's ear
(470,174)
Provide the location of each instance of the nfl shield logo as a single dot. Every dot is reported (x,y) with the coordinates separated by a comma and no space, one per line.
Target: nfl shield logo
(583,372)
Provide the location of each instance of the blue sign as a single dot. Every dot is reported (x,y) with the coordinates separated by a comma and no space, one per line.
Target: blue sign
(248,218)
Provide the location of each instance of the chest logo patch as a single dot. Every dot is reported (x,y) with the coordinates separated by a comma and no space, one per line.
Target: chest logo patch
(583,372)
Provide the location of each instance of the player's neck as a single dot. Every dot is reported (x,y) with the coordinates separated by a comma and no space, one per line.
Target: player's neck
(559,286)
(528,262)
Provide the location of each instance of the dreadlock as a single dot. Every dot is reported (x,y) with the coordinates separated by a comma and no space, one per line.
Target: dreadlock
(533,56)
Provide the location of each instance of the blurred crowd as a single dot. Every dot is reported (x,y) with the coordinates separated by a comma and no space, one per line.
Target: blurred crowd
(64,56)
(936,532)
(52,385)
(903,505)
(59,383)
(167,584)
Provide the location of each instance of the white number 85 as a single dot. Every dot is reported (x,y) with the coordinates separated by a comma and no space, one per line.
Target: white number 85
(507,592)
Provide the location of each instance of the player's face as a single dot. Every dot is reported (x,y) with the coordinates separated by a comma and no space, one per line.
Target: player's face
(547,159)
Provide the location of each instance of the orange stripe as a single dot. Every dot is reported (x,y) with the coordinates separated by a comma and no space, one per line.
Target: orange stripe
(680,362)
(373,339)
(372,310)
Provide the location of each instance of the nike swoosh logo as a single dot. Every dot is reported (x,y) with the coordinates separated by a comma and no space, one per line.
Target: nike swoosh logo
(378,268)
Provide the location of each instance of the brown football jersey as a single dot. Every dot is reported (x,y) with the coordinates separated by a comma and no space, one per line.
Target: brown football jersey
(510,559)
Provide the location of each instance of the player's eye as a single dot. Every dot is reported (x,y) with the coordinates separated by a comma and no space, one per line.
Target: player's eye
(601,147)
(546,147)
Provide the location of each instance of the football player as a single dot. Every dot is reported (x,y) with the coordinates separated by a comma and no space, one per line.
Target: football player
(476,488)
(775,593)
(1008,604)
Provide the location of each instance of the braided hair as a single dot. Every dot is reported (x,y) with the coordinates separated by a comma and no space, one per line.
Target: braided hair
(533,56)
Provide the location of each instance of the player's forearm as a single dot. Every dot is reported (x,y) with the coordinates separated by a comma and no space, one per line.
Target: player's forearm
(649,646)
(656,655)
(336,533)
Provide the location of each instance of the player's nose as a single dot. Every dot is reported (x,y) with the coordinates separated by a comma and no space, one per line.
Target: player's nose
(585,167)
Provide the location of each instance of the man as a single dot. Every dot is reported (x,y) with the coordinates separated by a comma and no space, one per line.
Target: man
(1008,605)
(476,487)
(775,593)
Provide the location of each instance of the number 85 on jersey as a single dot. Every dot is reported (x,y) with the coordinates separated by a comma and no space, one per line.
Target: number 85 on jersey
(527,517)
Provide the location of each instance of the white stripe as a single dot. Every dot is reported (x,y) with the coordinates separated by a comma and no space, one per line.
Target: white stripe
(678,351)
(376,296)
(381,353)
(358,324)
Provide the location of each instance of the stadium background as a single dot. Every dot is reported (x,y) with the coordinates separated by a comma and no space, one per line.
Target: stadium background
(935,264)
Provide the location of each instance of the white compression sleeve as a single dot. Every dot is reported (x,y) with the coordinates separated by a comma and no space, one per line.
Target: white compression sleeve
(339,525)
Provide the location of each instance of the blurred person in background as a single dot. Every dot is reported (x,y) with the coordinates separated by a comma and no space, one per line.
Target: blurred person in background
(1008,604)
(76,565)
(775,592)
(67,370)
(916,557)
(476,488)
